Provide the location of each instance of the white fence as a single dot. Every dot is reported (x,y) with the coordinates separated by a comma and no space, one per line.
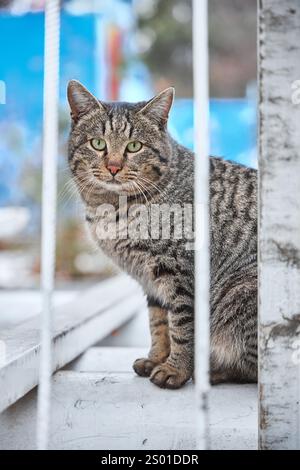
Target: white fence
(50,152)
(201,203)
(279,225)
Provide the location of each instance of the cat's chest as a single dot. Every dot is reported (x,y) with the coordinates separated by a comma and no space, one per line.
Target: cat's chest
(131,254)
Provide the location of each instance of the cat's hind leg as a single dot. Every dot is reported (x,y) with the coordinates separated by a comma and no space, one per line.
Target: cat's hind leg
(234,334)
(160,341)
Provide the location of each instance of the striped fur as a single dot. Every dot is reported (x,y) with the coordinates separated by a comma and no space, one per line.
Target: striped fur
(162,173)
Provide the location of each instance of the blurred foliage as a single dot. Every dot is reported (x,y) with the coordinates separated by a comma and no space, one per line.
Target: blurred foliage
(165,34)
(69,245)
(169,52)
(5,3)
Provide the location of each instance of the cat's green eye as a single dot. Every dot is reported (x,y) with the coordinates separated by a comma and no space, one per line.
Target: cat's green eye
(134,146)
(98,144)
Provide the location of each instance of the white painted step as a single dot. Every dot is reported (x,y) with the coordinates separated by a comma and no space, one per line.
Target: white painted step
(87,318)
(99,403)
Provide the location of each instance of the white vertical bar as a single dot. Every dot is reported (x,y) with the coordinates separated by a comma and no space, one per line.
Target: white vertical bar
(279,224)
(100,51)
(50,151)
(202,256)
(100,56)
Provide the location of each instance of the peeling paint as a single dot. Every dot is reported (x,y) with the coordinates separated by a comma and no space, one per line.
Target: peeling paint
(279,225)
(287,253)
(289,328)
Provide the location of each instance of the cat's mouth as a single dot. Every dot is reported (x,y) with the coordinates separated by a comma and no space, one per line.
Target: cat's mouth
(117,186)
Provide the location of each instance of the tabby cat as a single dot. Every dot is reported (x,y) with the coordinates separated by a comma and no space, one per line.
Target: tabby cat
(123,149)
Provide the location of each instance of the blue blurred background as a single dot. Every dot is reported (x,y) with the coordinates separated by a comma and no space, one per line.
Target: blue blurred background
(121,49)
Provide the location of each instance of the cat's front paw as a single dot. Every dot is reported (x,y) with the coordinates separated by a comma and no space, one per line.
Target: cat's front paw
(143,366)
(167,376)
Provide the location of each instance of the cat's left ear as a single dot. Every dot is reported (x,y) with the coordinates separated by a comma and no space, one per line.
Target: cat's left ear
(81,101)
(158,108)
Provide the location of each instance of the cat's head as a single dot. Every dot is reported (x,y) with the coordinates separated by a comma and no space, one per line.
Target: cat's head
(119,147)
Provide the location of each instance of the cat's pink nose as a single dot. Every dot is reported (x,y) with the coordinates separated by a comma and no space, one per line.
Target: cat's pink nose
(113,169)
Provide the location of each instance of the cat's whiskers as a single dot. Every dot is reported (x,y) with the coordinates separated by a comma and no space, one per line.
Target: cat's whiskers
(146,180)
(134,192)
(71,189)
(145,189)
(94,184)
(150,182)
(151,191)
(141,190)
(64,170)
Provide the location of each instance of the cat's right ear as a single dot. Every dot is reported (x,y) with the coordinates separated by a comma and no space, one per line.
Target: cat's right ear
(80,100)
(158,108)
